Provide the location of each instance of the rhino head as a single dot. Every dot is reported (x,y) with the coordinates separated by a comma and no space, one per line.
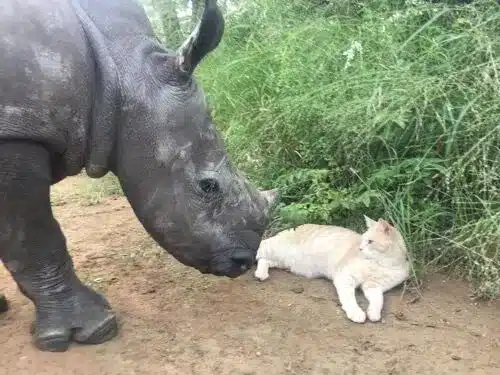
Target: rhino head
(172,164)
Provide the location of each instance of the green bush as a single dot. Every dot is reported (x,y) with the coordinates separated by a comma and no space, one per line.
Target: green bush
(388,108)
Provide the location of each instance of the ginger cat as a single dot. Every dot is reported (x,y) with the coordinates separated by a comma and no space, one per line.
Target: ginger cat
(375,261)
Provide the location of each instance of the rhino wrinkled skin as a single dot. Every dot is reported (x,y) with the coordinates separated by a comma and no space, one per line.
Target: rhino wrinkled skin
(86,84)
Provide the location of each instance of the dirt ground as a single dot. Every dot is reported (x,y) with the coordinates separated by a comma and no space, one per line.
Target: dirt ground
(174,320)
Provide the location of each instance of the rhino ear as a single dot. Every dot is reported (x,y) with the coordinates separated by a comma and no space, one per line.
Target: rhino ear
(204,38)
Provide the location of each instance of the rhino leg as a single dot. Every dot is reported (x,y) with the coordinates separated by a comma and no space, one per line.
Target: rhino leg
(33,249)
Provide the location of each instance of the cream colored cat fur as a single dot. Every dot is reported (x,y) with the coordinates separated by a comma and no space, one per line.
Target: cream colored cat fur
(375,261)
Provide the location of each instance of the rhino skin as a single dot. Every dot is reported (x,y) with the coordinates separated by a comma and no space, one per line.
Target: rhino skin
(87,84)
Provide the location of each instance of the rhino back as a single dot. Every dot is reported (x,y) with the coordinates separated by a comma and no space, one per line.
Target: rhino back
(46,75)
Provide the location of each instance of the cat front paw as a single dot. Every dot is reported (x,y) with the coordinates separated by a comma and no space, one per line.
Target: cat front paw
(373,315)
(356,315)
(261,276)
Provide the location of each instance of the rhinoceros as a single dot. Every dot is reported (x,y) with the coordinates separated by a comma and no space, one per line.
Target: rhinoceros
(86,84)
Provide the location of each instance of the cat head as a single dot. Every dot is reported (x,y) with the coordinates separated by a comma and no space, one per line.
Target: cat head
(382,239)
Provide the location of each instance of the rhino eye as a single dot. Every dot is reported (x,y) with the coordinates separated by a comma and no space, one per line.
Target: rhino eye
(209,186)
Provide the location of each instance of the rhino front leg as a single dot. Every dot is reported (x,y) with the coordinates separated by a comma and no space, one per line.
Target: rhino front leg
(33,249)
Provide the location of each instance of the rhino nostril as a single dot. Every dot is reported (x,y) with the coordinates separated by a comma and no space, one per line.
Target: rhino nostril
(243,259)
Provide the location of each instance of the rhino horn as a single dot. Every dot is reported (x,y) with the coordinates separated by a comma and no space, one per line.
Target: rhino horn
(204,38)
(271,196)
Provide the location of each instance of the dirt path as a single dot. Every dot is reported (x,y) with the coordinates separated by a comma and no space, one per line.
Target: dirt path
(176,321)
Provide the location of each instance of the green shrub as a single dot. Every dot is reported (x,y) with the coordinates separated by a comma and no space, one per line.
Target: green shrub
(389,108)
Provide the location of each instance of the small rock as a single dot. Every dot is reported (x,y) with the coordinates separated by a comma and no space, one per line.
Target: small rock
(258,354)
(456,357)
(298,289)
(367,344)
(356,350)
(400,316)
(414,300)
(318,298)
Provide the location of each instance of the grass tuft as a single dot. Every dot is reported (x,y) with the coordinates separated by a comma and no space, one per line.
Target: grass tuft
(385,108)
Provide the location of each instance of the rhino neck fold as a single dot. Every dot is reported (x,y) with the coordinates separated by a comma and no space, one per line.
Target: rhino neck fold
(122,42)
(106,100)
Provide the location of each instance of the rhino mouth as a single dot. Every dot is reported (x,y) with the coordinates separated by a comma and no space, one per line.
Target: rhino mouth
(231,255)
(235,262)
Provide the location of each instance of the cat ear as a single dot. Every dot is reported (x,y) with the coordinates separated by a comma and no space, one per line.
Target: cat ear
(385,226)
(369,222)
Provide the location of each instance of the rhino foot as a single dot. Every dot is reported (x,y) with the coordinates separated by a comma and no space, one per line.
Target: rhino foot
(4,305)
(84,317)
(33,249)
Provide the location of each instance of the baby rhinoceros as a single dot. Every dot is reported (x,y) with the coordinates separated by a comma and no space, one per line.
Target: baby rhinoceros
(376,261)
(87,84)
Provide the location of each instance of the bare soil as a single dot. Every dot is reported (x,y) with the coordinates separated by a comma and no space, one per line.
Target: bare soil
(174,320)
